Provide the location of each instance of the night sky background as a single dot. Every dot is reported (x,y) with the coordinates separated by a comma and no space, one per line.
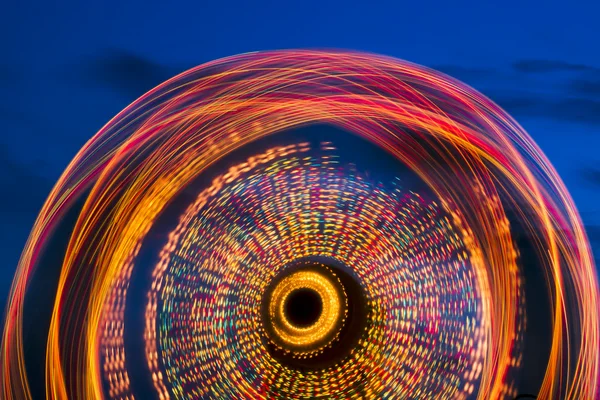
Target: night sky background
(66,70)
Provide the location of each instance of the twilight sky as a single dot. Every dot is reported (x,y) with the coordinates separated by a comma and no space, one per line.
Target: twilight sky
(65,71)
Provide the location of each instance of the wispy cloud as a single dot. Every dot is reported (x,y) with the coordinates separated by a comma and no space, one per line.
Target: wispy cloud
(544,66)
(593,232)
(123,71)
(23,189)
(550,89)
(560,107)
(465,73)
(591,175)
(23,193)
(586,87)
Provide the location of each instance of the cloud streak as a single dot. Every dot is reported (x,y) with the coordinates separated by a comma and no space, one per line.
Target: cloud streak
(586,87)
(574,97)
(545,66)
(562,108)
(465,73)
(24,190)
(592,176)
(124,72)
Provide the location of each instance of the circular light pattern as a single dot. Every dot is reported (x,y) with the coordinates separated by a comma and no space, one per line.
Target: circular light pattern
(294,336)
(423,300)
(422,291)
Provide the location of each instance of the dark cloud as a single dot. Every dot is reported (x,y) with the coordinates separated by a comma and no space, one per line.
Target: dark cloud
(465,73)
(576,110)
(23,194)
(573,100)
(591,175)
(565,108)
(593,232)
(541,66)
(565,99)
(23,189)
(586,87)
(518,104)
(125,72)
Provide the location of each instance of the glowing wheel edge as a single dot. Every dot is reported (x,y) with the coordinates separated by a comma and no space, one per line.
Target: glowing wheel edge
(470,153)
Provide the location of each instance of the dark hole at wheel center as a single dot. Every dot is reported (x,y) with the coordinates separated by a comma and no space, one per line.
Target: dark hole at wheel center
(303,307)
(297,310)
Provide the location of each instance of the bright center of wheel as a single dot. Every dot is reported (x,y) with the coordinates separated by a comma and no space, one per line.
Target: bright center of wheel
(313,313)
(306,310)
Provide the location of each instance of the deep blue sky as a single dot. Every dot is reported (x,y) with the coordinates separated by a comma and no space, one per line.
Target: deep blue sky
(66,70)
